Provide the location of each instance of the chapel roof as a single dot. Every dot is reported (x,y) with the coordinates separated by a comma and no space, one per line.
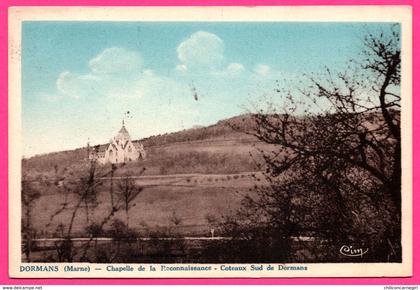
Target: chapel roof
(100,148)
(123,132)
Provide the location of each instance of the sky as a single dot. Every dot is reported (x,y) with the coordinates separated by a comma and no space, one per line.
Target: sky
(79,79)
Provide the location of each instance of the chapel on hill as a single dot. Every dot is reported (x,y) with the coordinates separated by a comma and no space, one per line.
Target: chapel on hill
(120,149)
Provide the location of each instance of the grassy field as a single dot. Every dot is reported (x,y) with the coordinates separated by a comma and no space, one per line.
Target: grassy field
(189,178)
(193,199)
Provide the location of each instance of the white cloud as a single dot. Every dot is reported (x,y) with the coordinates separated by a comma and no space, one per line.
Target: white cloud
(116,60)
(118,74)
(201,49)
(262,69)
(63,81)
(202,53)
(181,68)
(232,70)
(265,74)
(76,86)
(116,80)
(235,67)
(113,72)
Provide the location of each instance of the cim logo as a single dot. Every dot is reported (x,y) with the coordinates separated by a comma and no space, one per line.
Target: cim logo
(349,251)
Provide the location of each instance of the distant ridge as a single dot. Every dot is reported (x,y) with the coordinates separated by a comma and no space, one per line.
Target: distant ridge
(214,146)
(197,132)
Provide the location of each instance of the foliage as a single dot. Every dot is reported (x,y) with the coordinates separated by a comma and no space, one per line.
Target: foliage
(334,173)
(120,232)
(28,196)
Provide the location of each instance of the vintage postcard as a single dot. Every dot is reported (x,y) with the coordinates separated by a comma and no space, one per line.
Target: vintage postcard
(210,142)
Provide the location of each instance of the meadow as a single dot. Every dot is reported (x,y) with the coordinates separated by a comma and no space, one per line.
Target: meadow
(189,183)
(193,200)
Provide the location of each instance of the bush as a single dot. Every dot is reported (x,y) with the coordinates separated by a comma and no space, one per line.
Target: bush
(120,232)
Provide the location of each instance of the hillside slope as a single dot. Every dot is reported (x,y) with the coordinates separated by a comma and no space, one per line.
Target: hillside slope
(214,149)
(197,175)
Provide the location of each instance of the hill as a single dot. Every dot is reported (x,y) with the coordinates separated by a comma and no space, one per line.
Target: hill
(214,149)
(189,179)
(197,174)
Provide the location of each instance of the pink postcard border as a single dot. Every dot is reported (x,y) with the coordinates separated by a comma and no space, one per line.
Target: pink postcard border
(4,276)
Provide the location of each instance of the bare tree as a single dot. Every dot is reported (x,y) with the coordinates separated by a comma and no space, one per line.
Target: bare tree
(128,191)
(85,188)
(29,196)
(334,171)
(175,219)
